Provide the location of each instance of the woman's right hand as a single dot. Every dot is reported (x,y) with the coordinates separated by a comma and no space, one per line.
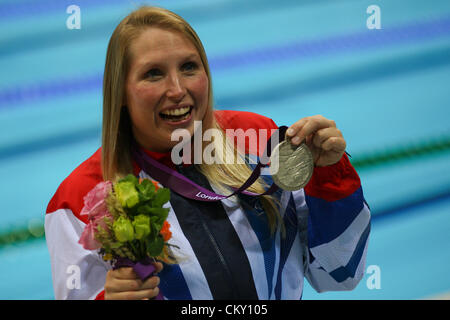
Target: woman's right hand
(124,284)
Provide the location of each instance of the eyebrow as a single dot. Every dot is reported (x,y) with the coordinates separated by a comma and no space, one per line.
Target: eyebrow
(190,56)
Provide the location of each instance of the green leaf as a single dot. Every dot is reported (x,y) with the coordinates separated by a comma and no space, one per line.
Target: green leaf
(162,196)
(144,209)
(155,247)
(156,223)
(160,213)
(146,190)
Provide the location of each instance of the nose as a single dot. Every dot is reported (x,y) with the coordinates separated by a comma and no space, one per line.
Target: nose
(176,89)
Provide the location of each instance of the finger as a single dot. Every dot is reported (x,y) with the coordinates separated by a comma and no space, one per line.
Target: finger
(121,285)
(293,129)
(309,141)
(158,266)
(311,127)
(323,134)
(336,144)
(134,295)
(124,273)
(150,283)
(297,126)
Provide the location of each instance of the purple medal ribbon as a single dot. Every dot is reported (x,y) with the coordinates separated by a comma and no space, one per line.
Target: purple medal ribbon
(187,188)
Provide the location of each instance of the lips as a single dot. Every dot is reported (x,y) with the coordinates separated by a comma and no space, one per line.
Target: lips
(176,113)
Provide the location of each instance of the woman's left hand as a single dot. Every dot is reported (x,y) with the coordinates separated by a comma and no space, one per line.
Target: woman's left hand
(321,136)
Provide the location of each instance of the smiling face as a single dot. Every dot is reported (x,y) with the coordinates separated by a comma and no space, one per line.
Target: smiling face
(166,87)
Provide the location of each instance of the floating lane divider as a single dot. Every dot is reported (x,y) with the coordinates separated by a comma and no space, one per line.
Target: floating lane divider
(396,154)
(415,32)
(34,229)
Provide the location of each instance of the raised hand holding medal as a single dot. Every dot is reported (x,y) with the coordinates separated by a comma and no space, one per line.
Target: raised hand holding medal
(323,138)
(310,141)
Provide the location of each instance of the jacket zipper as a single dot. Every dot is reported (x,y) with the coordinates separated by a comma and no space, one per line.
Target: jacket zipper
(217,250)
(220,256)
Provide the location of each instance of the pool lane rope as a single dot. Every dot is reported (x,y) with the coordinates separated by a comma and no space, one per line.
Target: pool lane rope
(34,228)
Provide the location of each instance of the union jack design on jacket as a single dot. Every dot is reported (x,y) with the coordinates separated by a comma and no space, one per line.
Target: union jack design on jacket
(228,251)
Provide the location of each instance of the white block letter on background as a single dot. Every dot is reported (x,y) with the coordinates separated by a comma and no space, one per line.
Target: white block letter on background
(374,21)
(74,20)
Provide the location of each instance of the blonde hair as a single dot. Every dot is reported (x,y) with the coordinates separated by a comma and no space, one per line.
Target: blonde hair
(117,134)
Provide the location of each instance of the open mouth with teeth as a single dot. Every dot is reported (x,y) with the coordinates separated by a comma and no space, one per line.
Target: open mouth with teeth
(176,115)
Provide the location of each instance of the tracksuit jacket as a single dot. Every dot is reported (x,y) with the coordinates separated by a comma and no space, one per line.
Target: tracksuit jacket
(226,248)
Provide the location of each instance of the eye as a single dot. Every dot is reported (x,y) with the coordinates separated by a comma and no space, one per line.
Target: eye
(153,74)
(189,66)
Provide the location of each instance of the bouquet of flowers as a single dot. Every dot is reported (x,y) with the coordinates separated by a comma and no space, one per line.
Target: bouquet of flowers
(127,223)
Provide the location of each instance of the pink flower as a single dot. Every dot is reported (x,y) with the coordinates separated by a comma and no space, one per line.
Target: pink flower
(87,239)
(96,210)
(94,201)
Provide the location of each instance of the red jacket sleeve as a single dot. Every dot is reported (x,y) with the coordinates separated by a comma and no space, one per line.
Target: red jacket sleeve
(333,182)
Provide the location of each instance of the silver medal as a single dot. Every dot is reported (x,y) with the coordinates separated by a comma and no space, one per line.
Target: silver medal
(291,166)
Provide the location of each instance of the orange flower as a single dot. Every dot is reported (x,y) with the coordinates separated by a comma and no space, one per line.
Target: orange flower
(154,183)
(165,231)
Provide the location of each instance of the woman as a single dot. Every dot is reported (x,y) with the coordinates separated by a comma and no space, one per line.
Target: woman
(157,80)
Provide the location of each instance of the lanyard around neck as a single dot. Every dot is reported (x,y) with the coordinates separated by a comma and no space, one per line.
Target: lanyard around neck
(189,189)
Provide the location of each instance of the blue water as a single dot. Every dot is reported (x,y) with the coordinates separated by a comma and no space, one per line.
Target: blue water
(283,59)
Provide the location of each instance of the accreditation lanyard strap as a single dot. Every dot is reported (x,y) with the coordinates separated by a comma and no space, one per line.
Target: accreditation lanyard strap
(189,189)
